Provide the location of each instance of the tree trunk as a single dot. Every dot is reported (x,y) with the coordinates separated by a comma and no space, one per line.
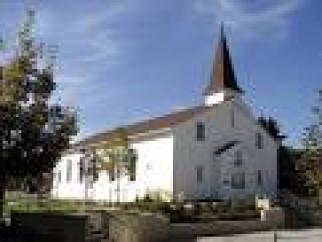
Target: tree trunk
(118,200)
(2,198)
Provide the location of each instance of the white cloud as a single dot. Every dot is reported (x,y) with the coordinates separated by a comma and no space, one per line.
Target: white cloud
(87,46)
(92,39)
(243,20)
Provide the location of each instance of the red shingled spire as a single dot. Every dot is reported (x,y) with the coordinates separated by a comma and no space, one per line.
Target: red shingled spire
(223,76)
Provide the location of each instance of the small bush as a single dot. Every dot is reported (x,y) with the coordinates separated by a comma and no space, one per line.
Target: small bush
(179,215)
(34,205)
(150,204)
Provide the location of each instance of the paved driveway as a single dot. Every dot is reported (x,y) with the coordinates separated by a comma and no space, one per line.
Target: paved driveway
(310,235)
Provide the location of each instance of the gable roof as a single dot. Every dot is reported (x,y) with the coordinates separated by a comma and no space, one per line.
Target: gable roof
(133,130)
(223,75)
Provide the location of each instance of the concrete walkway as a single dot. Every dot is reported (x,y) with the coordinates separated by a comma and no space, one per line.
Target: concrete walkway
(309,235)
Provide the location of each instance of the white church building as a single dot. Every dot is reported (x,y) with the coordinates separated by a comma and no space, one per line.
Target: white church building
(216,150)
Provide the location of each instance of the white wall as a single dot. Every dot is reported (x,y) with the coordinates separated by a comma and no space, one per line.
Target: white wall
(167,161)
(64,188)
(190,153)
(154,173)
(264,159)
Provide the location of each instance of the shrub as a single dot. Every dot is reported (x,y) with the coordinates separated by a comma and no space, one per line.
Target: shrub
(151,204)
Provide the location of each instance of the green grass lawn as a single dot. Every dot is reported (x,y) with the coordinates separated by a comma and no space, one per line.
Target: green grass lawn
(32,203)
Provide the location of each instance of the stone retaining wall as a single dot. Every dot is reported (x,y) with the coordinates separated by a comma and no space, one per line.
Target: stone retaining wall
(218,228)
(124,226)
(56,227)
(127,227)
(307,209)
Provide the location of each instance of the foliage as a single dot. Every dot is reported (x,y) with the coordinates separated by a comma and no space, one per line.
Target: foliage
(33,205)
(117,157)
(33,131)
(150,204)
(194,211)
(200,213)
(287,160)
(309,167)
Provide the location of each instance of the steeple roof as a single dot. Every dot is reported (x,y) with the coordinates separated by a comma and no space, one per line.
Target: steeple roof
(222,76)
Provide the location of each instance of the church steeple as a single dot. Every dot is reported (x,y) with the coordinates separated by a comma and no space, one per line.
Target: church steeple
(223,82)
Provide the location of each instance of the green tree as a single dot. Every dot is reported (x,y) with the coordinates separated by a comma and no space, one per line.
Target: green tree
(118,158)
(287,160)
(33,131)
(309,167)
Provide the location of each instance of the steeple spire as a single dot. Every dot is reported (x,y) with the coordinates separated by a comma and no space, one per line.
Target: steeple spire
(222,31)
(222,77)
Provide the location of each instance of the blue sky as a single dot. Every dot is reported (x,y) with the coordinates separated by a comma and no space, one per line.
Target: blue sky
(121,61)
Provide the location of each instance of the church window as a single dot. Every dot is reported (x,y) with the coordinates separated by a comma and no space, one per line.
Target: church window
(199,170)
(59,176)
(69,170)
(112,172)
(238,180)
(132,164)
(238,159)
(201,132)
(259,141)
(81,169)
(232,119)
(259,178)
(133,175)
(226,182)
